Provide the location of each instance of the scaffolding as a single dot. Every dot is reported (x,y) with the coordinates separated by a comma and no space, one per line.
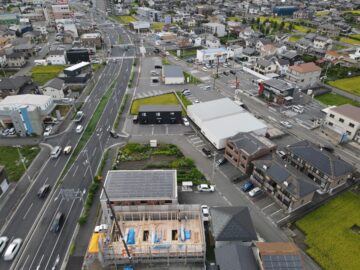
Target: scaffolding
(156,234)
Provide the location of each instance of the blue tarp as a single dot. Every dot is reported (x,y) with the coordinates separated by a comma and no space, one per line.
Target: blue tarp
(131,237)
(128,268)
(187,234)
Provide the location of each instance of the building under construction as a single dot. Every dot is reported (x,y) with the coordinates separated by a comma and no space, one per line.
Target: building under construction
(161,234)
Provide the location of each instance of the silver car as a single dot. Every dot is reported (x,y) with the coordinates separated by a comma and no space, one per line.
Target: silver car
(12,249)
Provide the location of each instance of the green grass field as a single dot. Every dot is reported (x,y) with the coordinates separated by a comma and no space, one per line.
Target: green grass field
(124,19)
(303,29)
(234,19)
(356,11)
(334,99)
(184,99)
(329,237)
(322,13)
(191,79)
(9,157)
(185,53)
(165,61)
(156,100)
(350,41)
(43,74)
(298,28)
(294,38)
(351,85)
(157,26)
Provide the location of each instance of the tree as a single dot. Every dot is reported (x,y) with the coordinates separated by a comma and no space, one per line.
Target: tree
(244,21)
(252,20)
(258,20)
(282,25)
(291,27)
(267,30)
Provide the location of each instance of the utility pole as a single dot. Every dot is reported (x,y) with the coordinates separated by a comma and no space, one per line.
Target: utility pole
(217,69)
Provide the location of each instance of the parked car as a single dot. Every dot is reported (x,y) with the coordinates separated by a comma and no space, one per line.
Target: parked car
(206,188)
(281,154)
(79,128)
(196,101)
(255,191)
(286,124)
(101,228)
(204,69)
(233,72)
(57,222)
(207,152)
(226,73)
(12,131)
(5,132)
(12,249)
(186,122)
(43,191)
(47,131)
(221,161)
(205,212)
(67,150)
(207,88)
(3,242)
(247,186)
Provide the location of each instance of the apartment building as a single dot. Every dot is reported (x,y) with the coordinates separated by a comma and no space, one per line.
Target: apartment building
(217,29)
(304,75)
(276,90)
(62,12)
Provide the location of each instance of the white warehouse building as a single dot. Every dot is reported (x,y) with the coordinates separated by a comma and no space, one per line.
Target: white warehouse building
(221,119)
(210,56)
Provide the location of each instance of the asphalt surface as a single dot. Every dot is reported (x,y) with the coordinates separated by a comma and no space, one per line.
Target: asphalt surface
(32,218)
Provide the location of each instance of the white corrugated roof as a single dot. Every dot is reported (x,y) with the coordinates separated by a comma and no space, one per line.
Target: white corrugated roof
(28,99)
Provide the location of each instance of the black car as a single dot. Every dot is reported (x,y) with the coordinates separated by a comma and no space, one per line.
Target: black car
(233,72)
(114,134)
(58,222)
(226,73)
(207,152)
(43,191)
(221,161)
(156,50)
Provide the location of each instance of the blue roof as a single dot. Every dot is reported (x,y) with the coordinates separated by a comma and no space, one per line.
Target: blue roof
(214,50)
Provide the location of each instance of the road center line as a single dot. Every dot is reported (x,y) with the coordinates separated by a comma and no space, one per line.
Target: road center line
(57,161)
(27,212)
(93,153)
(42,257)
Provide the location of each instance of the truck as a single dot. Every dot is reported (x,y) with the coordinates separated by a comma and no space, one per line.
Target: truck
(79,116)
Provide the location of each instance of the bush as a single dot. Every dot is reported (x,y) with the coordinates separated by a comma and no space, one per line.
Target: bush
(82,220)
(182,163)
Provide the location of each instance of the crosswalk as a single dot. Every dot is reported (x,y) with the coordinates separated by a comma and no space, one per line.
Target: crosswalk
(196,141)
(152,93)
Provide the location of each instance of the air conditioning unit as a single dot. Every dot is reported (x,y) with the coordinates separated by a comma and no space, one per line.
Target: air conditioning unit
(286,183)
(265,167)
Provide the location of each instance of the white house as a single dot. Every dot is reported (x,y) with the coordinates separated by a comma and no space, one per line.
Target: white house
(57,57)
(304,75)
(321,42)
(54,88)
(215,28)
(212,42)
(211,56)
(234,50)
(356,55)
(197,41)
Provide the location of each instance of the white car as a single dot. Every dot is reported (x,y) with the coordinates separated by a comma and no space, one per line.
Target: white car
(286,124)
(204,69)
(79,129)
(206,188)
(3,242)
(101,228)
(177,59)
(12,249)
(205,212)
(186,122)
(196,101)
(47,131)
(67,150)
(254,192)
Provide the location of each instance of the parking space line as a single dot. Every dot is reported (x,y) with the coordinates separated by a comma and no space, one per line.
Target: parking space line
(227,200)
(271,204)
(282,219)
(275,212)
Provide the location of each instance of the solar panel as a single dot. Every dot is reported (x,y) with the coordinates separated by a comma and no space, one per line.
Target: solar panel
(282,262)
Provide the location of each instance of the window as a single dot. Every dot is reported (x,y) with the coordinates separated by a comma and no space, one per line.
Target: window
(348,132)
(157,114)
(330,124)
(331,115)
(351,125)
(143,114)
(172,113)
(341,120)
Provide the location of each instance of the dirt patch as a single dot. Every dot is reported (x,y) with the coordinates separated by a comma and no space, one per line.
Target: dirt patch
(356,229)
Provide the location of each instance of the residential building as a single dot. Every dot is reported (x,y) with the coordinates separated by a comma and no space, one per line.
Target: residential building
(306,14)
(282,66)
(212,42)
(264,66)
(261,43)
(160,114)
(54,88)
(75,56)
(326,169)
(13,86)
(217,29)
(304,75)
(4,41)
(172,74)
(276,90)
(279,253)
(211,56)
(149,13)
(4,181)
(344,119)
(92,39)
(236,256)
(329,30)
(321,42)
(78,73)
(289,188)
(231,225)
(140,26)
(243,148)
(62,12)
(234,50)
(56,57)
(284,10)
(15,60)
(25,113)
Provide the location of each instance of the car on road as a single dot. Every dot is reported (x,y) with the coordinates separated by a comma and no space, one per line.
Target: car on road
(221,161)
(57,222)
(204,69)
(186,122)
(79,116)
(205,212)
(177,59)
(226,73)
(247,186)
(3,242)
(207,88)
(55,152)
(196,101)
(43,191)
(67,150)
(79,128)
(286,124)
(255,192)
(207,152)
(281,154)
(12,249)
(206,188)
(156,50)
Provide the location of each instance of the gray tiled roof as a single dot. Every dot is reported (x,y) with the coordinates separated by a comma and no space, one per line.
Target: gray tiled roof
(235,257)
(324,161)
(14,83)
(250,142)
(173,71)
(55,83)
(232,224)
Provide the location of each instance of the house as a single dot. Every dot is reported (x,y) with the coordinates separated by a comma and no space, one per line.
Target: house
(261,43)
(264,66)
(217,29)
(149,14)
(4,182)
(286,254)
(235,256)
(326,169)
(289,188)
(92,39)
(234,50)
(276,90)
(212,56)
(344,119)
(26,49)
(9,19)
(78,73)
(15,60)
(231,225)
(56,57)
(212,42)
(321,42)
(282,66)
(251,54)
(13,86)
(75,56)
(172,74)
(160,114)
(329,30)
(268,50)
(291,56)
(243,148)
(304,75)
(54,88)
(140,26)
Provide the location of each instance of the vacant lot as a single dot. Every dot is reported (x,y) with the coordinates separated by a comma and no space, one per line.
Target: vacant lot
(332,234)
(185,53)
(125,19)
(350,41)
(351,85)
(157,26)
(156,100)
(334,99)
(294,38)
(43,74)
(9,157)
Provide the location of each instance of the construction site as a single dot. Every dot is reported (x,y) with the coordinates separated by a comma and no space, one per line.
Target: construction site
(161,234)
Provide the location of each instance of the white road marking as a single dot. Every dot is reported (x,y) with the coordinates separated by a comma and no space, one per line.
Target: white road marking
(56,162)
(152,130)
(77,167)
(275,212)
(271,204)
(167,129)
(226,200)
(28,256)
(282,219)
(27,212)
(93,153)
(38,267)
(47,178)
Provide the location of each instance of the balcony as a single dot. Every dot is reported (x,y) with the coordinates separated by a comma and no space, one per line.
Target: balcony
(258,178)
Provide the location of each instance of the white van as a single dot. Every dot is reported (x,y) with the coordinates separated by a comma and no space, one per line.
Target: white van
(55,153)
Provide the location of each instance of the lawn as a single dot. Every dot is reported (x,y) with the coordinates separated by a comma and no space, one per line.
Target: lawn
(322,13)
(234,19)
(165,61)
(329,235)
(350,41)
(184,99)
(9,157)
(337,47)
(294,38)
(356,12)
(303,29)
(157,26)
(43,74)
(191,79)
(351,85)
(155,100)
(356,36)
(185,53)
(124,19)
(298,28)
(334,99)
